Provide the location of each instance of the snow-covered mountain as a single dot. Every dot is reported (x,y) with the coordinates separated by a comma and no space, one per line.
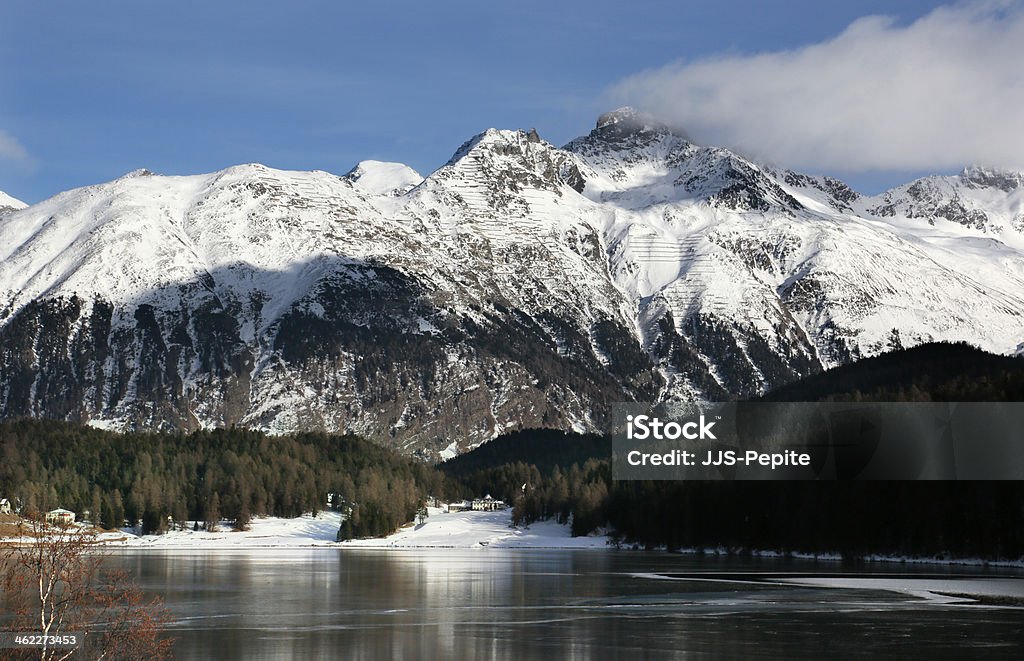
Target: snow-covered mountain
(519,285)
(8,203)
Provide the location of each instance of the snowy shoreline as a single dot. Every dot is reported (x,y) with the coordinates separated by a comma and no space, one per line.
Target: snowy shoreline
(459,530)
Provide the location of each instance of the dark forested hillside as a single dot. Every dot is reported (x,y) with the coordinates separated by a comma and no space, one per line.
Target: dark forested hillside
(208,475)
(234,474)
(939,371)
(543,448)
(980,519)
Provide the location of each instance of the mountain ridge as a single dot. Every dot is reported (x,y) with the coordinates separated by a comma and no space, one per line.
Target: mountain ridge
(518,285)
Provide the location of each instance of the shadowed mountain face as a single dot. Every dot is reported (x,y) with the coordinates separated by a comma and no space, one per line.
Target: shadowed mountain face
(519,285)
(366,349)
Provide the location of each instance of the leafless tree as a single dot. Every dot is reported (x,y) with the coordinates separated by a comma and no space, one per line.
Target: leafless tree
(54,584)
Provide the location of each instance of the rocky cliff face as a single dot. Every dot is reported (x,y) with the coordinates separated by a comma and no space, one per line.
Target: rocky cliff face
(519,285)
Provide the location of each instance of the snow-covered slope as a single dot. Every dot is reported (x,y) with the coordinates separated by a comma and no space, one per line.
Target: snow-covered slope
(988,201)
(780,266)
(296,300)
(518,285)
(8,203)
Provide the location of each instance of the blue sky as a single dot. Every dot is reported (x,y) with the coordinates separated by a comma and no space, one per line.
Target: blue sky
(89,91)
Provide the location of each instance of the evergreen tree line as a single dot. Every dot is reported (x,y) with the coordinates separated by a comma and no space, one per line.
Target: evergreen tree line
(166,479)
(576,495)
(984,519)
(544,448)
(957,519)
(235,474)
(937,371)
(854,519)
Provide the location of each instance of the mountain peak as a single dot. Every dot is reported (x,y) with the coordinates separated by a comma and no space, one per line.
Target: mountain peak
(10,203)
(140,172)
(627,120)
(623,115)
(503,142)
(383,177)
(627,129)
(984,177)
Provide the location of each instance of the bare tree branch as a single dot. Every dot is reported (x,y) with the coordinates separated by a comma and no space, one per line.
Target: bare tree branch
(53,584)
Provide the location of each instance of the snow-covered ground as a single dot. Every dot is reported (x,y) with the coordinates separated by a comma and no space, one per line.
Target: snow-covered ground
(303,531)
(480,529)
(460,530)
(441,530)
(955,589)
(941,590)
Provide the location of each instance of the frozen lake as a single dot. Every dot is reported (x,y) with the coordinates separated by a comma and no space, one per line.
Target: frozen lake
(571,604)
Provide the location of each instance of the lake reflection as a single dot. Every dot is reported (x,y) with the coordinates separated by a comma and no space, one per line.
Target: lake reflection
(508,604)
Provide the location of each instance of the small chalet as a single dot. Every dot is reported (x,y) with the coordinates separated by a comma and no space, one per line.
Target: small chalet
(5,506)
(60,517)
(459,506)
(488,504)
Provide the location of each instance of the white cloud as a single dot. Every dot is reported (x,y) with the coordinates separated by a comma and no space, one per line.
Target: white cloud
(944,91)
(12,150)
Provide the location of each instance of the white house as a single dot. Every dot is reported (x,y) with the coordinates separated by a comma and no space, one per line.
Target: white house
(459,506)
(5,506)
(60,517)
(488,504)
